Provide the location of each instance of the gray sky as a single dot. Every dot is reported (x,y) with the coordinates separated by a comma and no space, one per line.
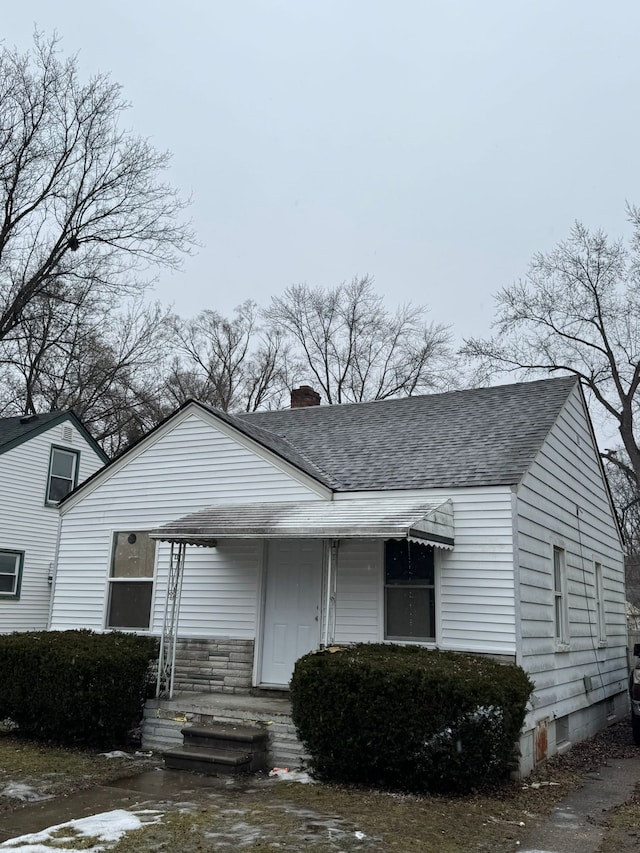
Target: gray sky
(434,145)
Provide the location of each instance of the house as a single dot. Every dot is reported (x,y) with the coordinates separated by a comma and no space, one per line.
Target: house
(476,520)
(42,458)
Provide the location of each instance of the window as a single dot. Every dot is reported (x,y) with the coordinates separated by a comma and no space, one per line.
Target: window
(409,591)
(561,617)
(63,474)
(562,730)
(131,580)
(10,573)
(600,611)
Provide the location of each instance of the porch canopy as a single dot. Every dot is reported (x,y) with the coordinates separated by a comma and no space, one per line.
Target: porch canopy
(428,521)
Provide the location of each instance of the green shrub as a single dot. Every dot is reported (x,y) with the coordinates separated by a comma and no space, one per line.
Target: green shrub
(75,687)
(408,718)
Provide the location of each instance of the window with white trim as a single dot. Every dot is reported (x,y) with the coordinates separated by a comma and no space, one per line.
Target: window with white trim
(601,619)
(560,614)
(131,580)
(11,563)
(63,473)
(409,591)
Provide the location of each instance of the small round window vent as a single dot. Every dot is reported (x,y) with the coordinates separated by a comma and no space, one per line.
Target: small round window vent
(132,539)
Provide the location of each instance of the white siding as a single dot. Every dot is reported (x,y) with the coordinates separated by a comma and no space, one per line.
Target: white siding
(475,601)
(477,587)
(359,592)
(190,465)
(28,525)
(562,501)
(219,591)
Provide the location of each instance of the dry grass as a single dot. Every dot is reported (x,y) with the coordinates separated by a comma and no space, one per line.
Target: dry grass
(623,829)
(53,771)
(266,815)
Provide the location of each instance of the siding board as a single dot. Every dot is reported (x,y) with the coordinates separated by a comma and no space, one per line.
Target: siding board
(28,525)
(474,588)
(191,466)
(563,501)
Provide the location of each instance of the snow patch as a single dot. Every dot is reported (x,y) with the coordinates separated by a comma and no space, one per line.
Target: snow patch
(107,828)
(116,753)
(291,775)
(20,791)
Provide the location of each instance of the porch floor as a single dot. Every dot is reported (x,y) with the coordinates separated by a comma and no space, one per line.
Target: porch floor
(261,706)
(164,720)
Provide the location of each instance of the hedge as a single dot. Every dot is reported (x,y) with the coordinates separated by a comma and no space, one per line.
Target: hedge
(75,687)
(404,717)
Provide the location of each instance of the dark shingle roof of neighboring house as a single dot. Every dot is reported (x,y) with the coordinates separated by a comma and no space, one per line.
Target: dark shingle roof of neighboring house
(482,436)
(15,430)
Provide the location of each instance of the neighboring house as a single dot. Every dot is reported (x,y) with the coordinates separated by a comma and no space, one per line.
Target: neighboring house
(42,458)
(476,521)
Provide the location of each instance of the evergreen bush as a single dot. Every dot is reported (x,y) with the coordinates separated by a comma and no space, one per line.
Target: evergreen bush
(404,717)
(75,687)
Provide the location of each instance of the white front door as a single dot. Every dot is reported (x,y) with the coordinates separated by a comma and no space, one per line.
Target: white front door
(291,625)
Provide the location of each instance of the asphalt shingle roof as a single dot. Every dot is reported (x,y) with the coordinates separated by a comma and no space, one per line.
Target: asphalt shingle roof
(16,429)
(482,436)
(277,443)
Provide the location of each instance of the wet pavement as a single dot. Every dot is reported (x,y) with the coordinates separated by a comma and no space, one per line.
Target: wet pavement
(152,789)
(577,824)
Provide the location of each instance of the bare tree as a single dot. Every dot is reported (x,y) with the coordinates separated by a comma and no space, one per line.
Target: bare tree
(51,332)
(577,311)
(81,200)
(103,363)
(356,349)
(626,497)
(232,364)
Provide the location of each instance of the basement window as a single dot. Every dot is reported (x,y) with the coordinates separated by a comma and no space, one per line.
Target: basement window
(10,573)
(131,580)
(562,730)
(409,591)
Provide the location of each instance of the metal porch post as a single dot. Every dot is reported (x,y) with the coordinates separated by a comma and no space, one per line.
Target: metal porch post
(167,655)
(329,627)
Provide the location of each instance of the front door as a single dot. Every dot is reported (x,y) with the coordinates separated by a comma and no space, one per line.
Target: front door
(291,625)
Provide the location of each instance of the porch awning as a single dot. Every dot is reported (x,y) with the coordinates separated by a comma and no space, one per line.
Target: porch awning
(428,521)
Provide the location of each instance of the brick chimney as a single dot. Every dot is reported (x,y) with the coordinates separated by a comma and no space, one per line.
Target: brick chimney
(304,396)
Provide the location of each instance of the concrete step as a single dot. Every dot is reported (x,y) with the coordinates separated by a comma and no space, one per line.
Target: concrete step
(219,748)
(212,762)
(270,692)
(225,736)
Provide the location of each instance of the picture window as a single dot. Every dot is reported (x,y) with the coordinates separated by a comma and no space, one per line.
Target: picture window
(131,581)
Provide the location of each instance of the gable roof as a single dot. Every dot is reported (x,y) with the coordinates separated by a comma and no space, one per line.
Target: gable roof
(480,436)
(16,430)
(281,445)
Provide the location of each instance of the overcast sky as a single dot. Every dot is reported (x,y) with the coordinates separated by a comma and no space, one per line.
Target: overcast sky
(433,145)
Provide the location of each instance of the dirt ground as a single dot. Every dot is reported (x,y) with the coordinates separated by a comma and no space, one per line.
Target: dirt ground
(265,814)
